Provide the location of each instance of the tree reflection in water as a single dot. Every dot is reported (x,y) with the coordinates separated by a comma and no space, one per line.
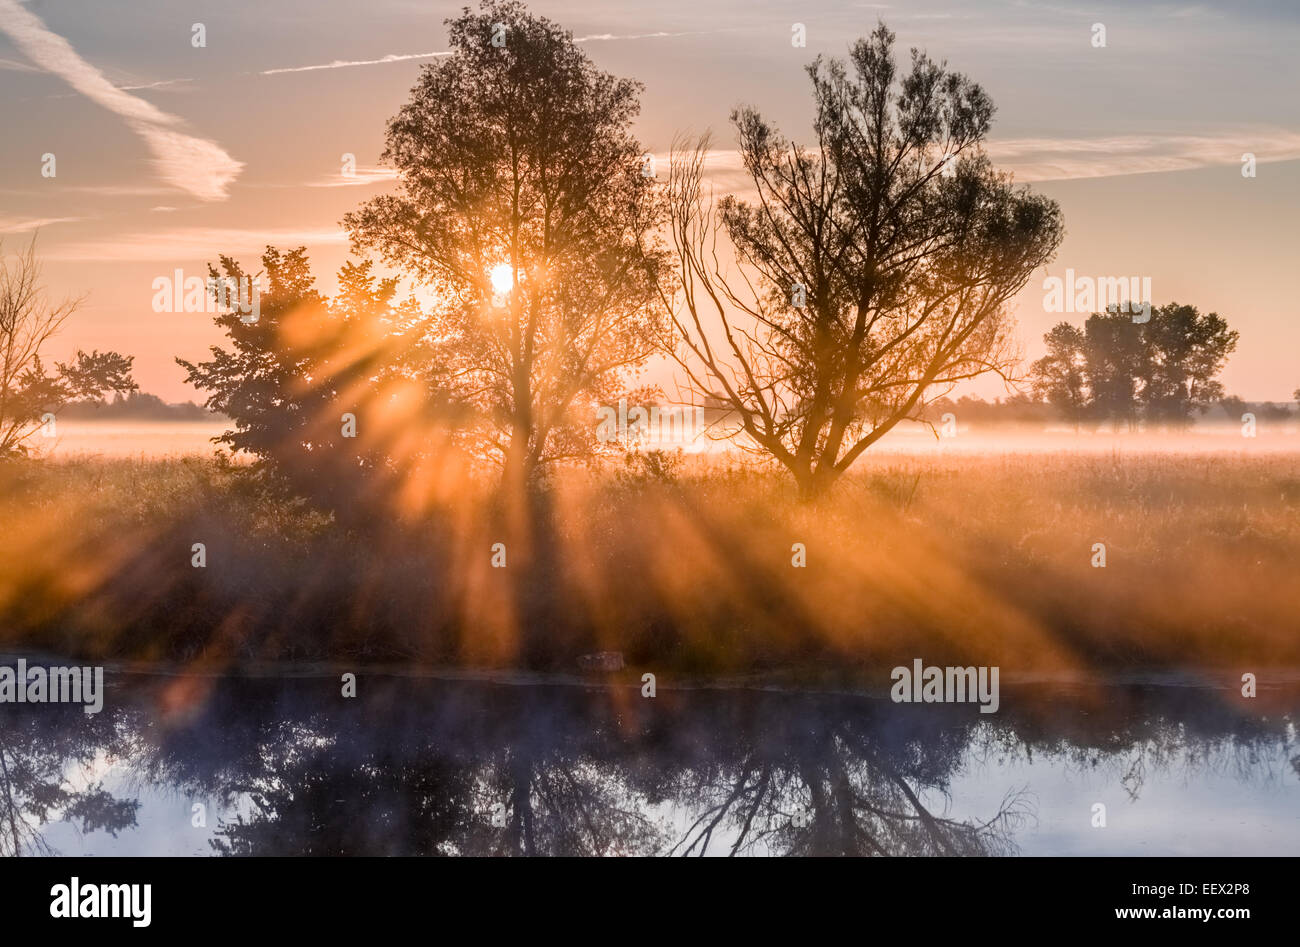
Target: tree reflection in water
(50,755)
(423,767)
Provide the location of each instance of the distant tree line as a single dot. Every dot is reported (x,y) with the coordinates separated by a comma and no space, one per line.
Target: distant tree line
(135,406)
(1026,409)
(1161,373)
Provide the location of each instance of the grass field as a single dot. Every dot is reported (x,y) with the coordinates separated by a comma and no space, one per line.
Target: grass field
(984,559)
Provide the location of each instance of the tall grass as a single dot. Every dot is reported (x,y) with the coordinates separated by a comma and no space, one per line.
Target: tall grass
(977,559)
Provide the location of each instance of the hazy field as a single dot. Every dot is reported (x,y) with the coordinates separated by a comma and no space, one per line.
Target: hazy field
(163,439)
(129,438)
(985,559)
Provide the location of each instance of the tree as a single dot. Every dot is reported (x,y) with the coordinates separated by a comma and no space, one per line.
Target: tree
(1185,350)
(289,377)
(90,376)
(882,260)
(1116,370)
(1115,353)
(27,322)
(1060,376)
(525,205)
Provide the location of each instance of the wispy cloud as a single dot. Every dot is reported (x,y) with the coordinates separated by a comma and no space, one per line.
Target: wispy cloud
(1060,159)
(160,84)
(403,57)
(1057,159)
(196,165)
(600,37)
(98,190)
(186,244)
(358,177)
(349,63)
(15,225)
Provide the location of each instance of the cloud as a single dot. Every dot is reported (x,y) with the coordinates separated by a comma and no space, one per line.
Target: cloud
(1058,159)
(1061,159)
(594,37)
(99,190)
(186,244)
(191,164)
(359,177)
(349,63)
(161,83)
(14,225)
(403,57)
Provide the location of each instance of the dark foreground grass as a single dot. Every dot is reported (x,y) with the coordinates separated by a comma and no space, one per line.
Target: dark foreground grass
(983,560)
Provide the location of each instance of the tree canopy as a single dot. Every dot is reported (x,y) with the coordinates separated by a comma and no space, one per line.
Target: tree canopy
(524,206)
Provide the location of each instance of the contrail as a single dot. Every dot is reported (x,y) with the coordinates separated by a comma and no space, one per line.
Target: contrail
(348,63)
(401,57)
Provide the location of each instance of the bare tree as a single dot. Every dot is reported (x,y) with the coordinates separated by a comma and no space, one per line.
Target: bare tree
(873,270)
(27,322)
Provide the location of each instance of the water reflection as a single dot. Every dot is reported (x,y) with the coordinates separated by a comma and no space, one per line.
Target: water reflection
(424,767)
(49,755)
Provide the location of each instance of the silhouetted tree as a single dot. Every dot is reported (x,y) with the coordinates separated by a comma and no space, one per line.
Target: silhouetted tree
(1161,371)
(1185,350)
(1114,351)
(1060,376)
(884,256)
(524,203)
(27,322)
(291,374)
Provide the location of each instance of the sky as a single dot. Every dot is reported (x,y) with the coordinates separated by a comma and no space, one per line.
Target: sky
(168,154)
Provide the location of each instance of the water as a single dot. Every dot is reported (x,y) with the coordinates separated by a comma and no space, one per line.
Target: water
(426,765)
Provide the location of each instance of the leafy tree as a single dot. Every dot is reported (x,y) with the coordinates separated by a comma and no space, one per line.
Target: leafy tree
(874,268)
(289,377)
(90,376)
(1185,350)
(525,205)
(1060,376)
(1161,371)
(1115,352)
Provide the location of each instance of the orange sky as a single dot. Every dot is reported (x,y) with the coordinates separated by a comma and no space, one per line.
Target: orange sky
(169,154)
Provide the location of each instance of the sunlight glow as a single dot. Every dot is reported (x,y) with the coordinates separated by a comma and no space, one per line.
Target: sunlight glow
(503,278)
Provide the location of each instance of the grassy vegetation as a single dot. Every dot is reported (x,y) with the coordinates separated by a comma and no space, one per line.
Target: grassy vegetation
(982,560)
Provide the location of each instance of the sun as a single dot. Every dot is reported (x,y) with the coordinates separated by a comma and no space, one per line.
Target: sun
(503,278)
